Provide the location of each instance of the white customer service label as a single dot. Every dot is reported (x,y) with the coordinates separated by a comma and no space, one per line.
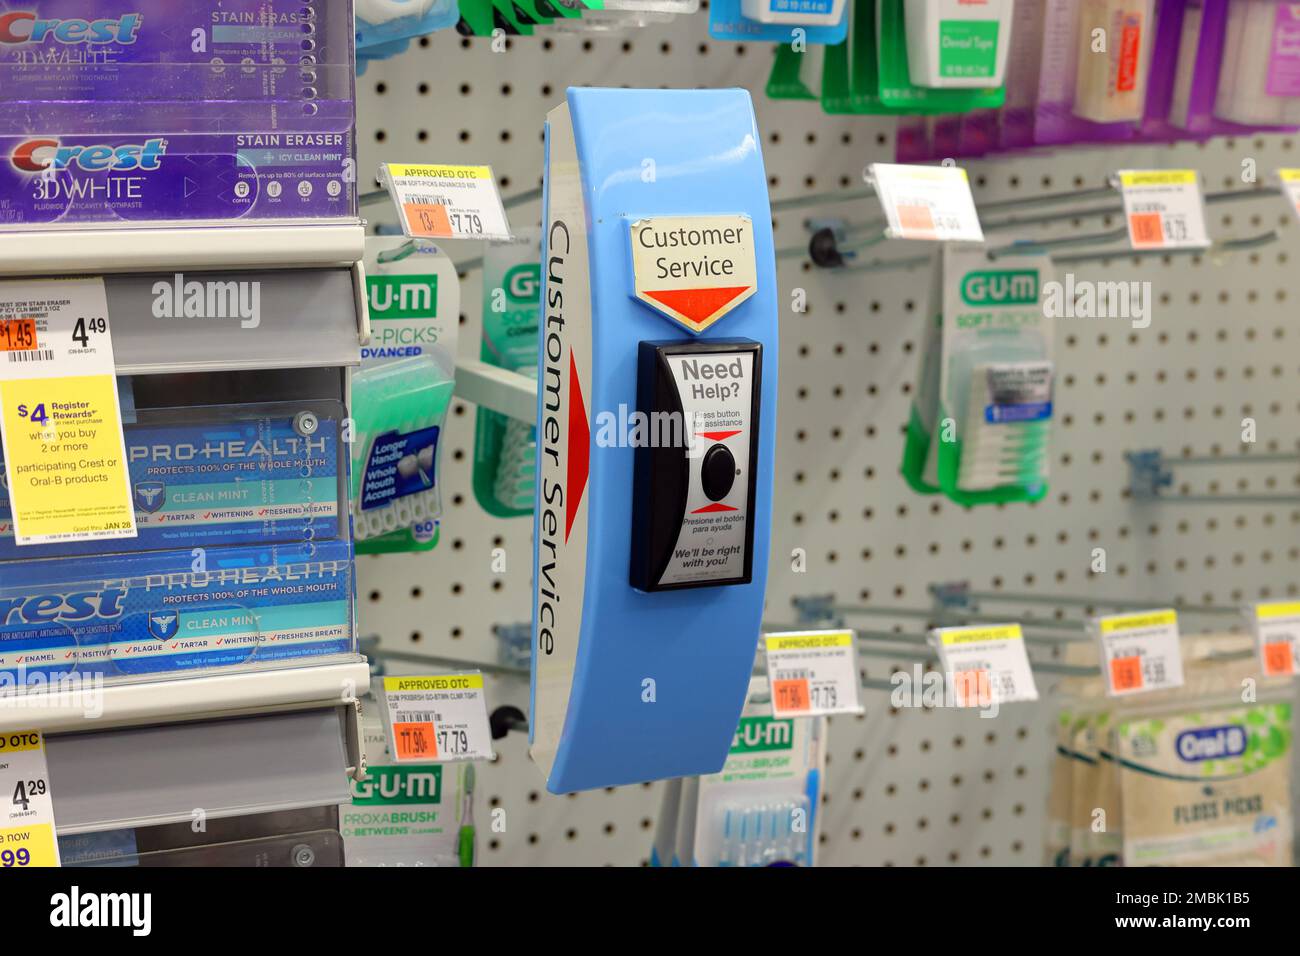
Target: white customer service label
(927,202)
(446,202)
(1139,652)
(26,809)
(693,269)
(437,719)
(1277,635)
(985,664)
(1163,208)
(812,672)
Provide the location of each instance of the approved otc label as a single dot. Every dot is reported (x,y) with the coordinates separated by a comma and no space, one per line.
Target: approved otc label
(26,809)
(438,719)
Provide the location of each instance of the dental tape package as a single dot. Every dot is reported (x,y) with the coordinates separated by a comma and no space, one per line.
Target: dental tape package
(221,476)
(152,613)
(175,51)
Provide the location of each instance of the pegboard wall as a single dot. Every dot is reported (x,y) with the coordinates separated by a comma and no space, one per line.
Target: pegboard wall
(913,787)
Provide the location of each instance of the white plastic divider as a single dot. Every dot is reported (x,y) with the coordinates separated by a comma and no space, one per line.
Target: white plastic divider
(169,246)
(495,388)
(83,707)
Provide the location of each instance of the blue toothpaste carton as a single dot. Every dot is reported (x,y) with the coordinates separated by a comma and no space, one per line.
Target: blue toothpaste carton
(152,613)
(221,476)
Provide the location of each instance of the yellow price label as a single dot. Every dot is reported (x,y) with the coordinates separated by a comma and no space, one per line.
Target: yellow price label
(1157,177)
(809,640)
(1136,622)
(30,846)
(67,475)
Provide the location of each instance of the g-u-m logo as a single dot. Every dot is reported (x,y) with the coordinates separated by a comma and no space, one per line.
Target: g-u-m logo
(49,155)
(1000,287)
(24,26)
(48,608)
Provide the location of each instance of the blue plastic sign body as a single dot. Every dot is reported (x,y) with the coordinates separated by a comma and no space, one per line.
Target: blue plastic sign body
(629,686)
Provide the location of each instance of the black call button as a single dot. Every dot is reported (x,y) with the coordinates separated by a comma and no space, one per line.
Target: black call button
(717,472)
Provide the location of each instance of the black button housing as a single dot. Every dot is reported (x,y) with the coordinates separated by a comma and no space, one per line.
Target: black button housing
(718,472)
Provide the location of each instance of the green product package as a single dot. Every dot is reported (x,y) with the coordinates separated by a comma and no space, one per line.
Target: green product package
(1208,788)
(864,62)
(835,79)
(405,382)
(896,90)
(984,429)
(505,449)
(796,74)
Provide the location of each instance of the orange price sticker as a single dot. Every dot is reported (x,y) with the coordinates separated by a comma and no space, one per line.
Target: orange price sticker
(791,695)
(1147,229)
(415,741)
(1278,658)
(972,687)
(427,220)
(1126,673)
(916,219)
(17,335)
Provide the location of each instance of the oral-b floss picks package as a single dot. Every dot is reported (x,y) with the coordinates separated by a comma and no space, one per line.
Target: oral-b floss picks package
(995,392)
(505,449)
(400,396)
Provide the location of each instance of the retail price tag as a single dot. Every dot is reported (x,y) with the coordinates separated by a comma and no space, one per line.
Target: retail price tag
(1139,652)
(1277,635)
(927,202)
(1290,179)
(1164,208)
(438,719)
(447,202)
(985,664)
(60,422)
(812,673)
(26,809)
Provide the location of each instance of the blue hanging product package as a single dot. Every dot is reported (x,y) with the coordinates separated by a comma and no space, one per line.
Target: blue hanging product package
(656,433)
(384,27)
(822,21)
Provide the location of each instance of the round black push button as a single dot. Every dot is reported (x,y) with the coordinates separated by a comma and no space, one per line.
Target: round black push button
(717,472)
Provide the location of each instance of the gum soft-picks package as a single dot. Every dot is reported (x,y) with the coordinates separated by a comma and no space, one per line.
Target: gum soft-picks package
(129,615)
(414,297)
(176,51)
(221,476)
(398,409)
(505,450)
(979,424)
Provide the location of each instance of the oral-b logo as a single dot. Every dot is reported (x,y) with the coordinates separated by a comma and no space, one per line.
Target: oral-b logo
(1000,288)
(49,155)
(1211,743)
(24,26)
(48,608)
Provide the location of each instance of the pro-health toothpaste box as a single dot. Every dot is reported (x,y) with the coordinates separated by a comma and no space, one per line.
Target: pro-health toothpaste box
(154,613)
(218,477)
(136,51)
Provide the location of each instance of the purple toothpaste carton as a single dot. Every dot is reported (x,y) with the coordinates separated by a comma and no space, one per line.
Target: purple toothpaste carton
(117,179)
(133,51)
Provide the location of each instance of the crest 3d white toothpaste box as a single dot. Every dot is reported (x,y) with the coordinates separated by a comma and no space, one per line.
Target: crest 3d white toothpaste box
(135,51)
